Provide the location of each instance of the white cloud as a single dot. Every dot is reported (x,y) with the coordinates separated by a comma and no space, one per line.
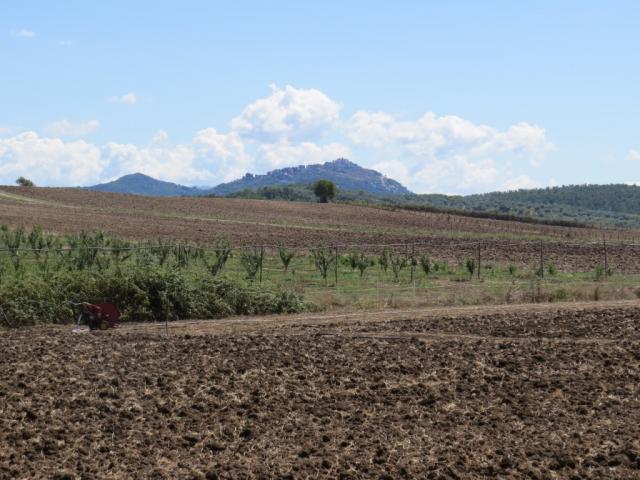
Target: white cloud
(24,33)
(172,163)
(446,153)
(456,173)
(225,153)
(520,182)
(633,156)
(301,126)
(288,113)
(49,160)
(282,154)
(394,169)
(435,136)
(126,99)
(5,130)
(66,128)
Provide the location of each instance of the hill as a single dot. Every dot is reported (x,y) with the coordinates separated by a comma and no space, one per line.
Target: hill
(140,184)
(254,222)
(345,174)
(616,205)
(606,205)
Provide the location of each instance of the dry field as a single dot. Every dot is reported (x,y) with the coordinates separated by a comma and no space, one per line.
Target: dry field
(251,222)
(545,391)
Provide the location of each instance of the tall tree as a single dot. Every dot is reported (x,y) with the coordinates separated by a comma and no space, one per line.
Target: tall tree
(325,190)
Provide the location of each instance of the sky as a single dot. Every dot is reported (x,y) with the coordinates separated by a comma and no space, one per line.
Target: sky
(445,97)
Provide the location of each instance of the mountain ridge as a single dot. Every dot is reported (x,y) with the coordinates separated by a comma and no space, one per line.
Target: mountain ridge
(345,174)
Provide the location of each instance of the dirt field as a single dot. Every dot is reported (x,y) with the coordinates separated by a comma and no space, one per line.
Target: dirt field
(253,222)
(546,391)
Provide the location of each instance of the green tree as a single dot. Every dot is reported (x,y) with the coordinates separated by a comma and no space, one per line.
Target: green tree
(471,266)
(25,182)
(286,256)
(325,190)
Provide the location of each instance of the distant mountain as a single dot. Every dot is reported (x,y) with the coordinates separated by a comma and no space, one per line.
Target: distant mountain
(140,184)
(345,174)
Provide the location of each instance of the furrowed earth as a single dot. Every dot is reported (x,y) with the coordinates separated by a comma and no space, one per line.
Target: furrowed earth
(258,222)
(544,391)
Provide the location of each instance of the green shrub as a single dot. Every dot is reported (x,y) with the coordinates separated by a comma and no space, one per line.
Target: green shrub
(286,256)
(470,264)
(425,264)
(323,259)
(251,261)
(398,262)
(383,260)
(142,294)
(221,255)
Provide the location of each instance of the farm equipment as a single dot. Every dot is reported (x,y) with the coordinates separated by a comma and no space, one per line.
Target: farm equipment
(100,316)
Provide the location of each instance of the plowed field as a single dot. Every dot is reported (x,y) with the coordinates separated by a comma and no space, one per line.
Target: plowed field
(256,222)
(503,392)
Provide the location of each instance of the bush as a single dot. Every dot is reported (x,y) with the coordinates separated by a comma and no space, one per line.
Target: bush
(323,259)
(471,266)
(286,256)
(150,293)
(383,259)
(398,262)
(251,260)
(425,264)
(221,255)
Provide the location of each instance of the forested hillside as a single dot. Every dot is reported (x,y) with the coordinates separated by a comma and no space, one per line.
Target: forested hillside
(609,205)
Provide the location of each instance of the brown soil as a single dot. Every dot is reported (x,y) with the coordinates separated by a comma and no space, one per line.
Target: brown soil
(251,222)
(506,392)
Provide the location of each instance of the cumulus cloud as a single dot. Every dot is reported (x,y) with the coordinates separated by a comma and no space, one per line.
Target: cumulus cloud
(434,136)
(49,160)
(282,154)
(223,152)
(633,156)
(294,126)
(288,113)
(436,153)
(173,163)
(65,128)
(129,98)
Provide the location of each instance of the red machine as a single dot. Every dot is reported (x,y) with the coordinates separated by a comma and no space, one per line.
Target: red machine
(100,316)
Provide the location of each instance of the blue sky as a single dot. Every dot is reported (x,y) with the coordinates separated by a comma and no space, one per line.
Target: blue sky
(453,97)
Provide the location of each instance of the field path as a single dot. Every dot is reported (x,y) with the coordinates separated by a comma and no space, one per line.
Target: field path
(339,322)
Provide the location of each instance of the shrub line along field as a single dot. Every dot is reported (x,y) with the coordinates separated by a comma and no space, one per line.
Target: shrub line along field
(43,275)
(545,391)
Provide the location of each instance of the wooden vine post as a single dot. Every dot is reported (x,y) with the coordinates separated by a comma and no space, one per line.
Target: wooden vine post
(336,265)
(261,262)
(541,260)
(604,245)
(413,261)
(479,259)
